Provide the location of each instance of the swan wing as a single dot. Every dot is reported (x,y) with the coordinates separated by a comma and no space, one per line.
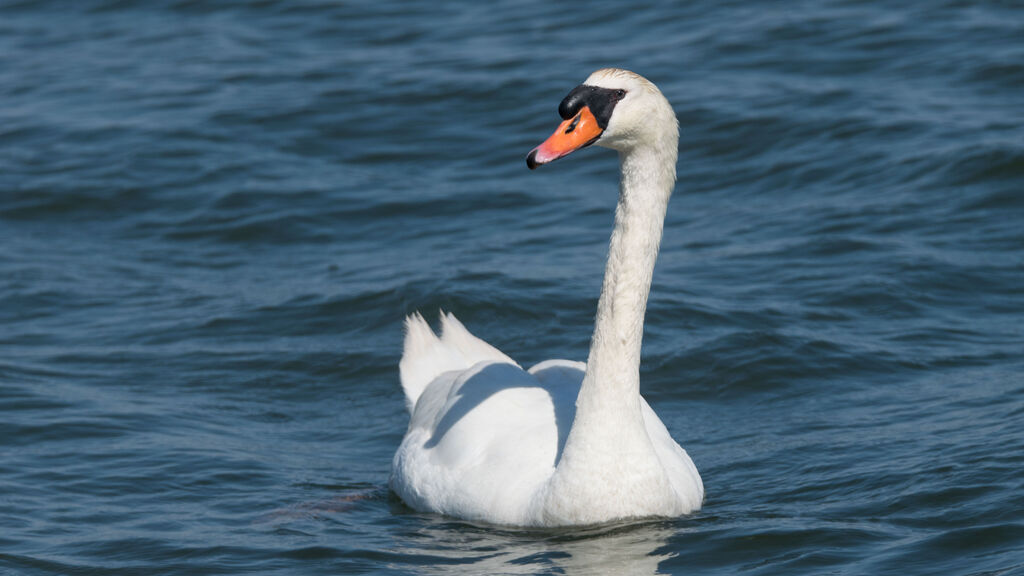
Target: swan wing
(679,467)
(481,443)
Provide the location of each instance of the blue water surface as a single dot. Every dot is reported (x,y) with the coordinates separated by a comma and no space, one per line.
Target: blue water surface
(214,216)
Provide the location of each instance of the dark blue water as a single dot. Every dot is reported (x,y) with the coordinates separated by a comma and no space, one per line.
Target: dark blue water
(213,217)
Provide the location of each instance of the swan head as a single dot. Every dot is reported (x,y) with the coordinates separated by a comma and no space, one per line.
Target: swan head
(613,108)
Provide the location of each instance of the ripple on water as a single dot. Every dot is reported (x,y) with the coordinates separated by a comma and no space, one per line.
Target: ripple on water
(215,216)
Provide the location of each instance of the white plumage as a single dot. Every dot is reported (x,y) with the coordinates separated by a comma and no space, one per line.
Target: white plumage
(564,443)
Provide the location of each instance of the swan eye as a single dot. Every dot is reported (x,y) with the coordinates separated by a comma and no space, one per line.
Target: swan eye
(620,94)
(572,126)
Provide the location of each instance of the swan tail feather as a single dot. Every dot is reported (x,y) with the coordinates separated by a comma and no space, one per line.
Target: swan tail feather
(473,349)
(425,356)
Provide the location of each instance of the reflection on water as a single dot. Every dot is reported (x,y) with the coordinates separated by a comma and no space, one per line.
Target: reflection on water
(622,549)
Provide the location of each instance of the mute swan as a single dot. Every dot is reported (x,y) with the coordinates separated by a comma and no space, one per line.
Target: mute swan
(563,443)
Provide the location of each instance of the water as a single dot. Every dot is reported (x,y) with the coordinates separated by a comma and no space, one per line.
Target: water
(214,217)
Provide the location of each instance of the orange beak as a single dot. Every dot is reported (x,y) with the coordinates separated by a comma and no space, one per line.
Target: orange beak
(577,132)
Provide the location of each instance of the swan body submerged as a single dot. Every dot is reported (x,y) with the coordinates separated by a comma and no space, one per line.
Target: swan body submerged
(563,443)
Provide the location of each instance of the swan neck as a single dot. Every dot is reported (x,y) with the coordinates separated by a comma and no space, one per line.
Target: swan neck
(608,449)
(613,367)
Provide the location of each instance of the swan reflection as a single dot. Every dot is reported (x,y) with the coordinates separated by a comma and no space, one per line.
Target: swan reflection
(623,549)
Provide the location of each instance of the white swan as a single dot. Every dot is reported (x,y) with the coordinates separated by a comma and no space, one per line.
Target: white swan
(564,443)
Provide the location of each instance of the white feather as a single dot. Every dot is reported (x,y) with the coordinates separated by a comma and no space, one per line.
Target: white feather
(426,357)
(564,443)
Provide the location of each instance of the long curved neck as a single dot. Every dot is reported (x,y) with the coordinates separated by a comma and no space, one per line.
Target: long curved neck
(608,417)
(613,367)
(608,456)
